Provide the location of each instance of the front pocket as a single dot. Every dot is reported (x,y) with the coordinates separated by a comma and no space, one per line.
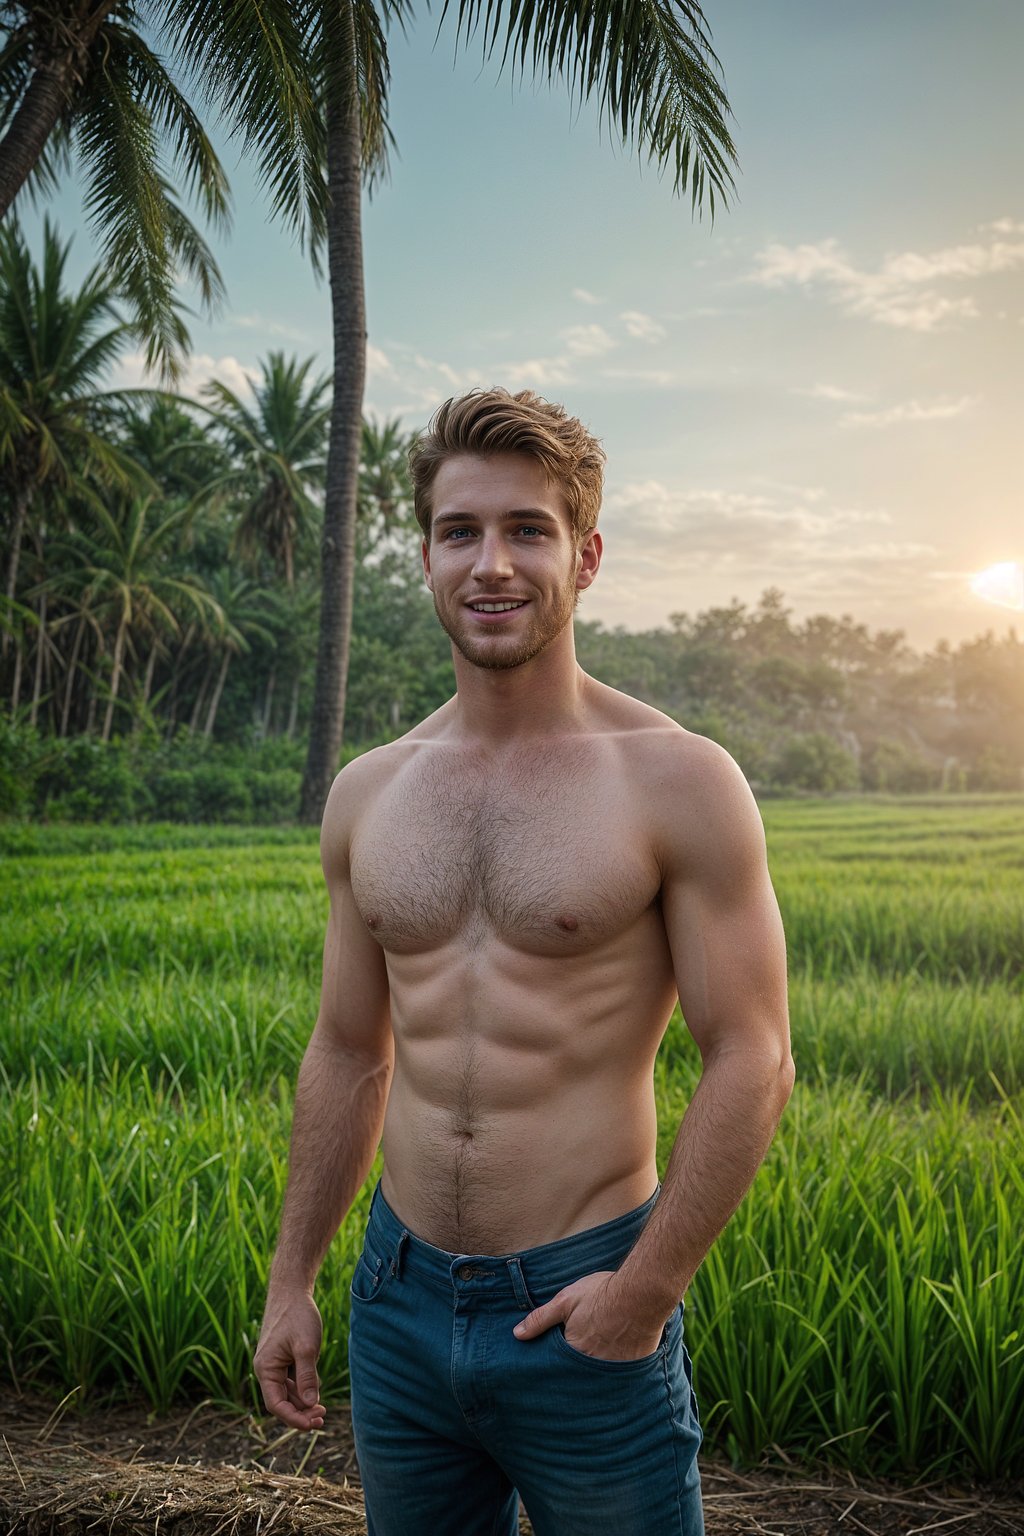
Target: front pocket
(370,1277)
(608,1367)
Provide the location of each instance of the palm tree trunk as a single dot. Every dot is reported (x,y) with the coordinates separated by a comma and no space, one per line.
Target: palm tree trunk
(22,501)
(218,690)
(90,719)
(268,703)
(16,685)
(37,686)
(40,107)
(348,311)
(200,697)
(293,708)
(72,664)
(122,630)
(147,681)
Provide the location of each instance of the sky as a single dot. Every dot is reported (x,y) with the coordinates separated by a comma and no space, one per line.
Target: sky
(821,391)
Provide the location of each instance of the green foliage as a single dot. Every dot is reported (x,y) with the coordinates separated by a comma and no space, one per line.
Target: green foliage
(812,760)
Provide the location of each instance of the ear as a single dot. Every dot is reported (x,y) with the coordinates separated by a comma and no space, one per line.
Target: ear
(425,552)
(588,560)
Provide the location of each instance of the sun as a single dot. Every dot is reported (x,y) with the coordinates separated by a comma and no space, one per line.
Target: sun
(1002,584)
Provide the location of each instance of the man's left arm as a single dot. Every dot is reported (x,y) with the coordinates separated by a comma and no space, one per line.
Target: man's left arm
(729,957)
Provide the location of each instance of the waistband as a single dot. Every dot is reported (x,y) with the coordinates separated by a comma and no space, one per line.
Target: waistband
(545,1268)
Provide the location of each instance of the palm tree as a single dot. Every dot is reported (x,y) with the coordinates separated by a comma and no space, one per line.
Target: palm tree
(80,85)
(276,448)
(133,584)
(649,65)
(242,607)
(385,485)
(173,448)
(55,347)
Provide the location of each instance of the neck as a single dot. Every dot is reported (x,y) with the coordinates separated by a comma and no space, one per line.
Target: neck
(543,697)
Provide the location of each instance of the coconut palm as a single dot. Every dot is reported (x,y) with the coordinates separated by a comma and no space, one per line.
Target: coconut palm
(55,347)
(134,585)
(650,67)
(179,453)
(81,86)
(385,485)
(242,608)
(276,459)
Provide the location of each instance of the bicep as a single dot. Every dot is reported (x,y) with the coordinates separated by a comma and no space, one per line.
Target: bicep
(355,1001)
(722,919)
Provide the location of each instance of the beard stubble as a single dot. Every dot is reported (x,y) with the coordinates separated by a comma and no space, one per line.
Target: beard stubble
(546,626)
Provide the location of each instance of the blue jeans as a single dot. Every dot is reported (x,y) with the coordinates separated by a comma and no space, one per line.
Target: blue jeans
(455,1418)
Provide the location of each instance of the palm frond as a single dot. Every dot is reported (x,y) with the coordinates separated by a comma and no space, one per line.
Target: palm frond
(648,63)
(251,60)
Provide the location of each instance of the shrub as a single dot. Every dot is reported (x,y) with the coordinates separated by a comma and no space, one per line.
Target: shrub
(812,760)
(221,794)
(173,794)
(275,796)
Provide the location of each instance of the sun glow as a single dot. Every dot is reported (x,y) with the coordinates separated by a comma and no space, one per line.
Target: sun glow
(1002,584)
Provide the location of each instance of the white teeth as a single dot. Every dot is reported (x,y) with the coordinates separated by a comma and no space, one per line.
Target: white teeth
(493,607)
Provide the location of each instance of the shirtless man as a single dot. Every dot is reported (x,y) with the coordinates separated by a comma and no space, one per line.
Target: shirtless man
(520,888)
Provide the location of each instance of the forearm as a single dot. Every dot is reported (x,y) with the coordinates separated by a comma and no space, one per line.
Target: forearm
(724,1135)
(340,1099)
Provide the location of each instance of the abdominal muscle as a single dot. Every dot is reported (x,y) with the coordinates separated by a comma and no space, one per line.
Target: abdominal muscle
(521,1108)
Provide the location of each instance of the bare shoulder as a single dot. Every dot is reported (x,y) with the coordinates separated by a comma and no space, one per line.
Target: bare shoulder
(360,784)
(701,811)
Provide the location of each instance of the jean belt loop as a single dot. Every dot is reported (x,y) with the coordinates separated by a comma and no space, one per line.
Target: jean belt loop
(522,1295)
(398,1253)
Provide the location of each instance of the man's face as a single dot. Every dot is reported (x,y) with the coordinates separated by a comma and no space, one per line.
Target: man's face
(499,534)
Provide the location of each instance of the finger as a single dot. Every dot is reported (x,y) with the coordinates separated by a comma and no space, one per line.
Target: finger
(542,1318)
(307,1382)
(304,1402)
(276,1397)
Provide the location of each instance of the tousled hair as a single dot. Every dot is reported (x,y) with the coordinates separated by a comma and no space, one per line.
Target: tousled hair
(487,421)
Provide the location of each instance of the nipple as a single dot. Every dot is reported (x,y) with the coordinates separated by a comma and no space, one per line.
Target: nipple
(372,921)
(568,922)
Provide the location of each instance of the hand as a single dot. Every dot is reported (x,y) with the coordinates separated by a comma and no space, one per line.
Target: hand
(285,1359)
(595,1323)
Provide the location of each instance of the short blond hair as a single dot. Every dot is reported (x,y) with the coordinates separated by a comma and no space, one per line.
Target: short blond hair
(487,421)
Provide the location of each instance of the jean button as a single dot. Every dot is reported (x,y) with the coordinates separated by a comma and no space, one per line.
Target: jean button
(466,1272)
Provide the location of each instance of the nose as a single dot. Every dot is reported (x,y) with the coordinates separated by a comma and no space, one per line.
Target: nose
(493,558)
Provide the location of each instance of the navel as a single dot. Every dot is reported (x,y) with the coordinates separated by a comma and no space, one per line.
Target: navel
(568,922)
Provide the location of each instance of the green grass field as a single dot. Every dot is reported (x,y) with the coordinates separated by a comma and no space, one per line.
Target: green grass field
(866,1302)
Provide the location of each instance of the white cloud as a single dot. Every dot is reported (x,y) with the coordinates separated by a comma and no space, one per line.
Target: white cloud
(900,292)
(668,550)
(643,327)
(909,410)
(200,368)
(585,296)
(587,340)
(378,364)
(259,322)
(536,373)
(828,392)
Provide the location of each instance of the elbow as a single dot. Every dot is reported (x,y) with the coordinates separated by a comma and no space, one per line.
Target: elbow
(785,1079)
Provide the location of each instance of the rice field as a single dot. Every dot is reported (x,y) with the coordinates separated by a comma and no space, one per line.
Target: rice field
(864,1305)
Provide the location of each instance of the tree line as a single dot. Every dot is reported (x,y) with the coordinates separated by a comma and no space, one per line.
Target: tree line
(161,592)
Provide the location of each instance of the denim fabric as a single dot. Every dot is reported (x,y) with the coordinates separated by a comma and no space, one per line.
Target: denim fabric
(455,1418)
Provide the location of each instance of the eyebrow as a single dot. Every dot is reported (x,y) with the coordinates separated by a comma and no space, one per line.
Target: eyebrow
(536,514)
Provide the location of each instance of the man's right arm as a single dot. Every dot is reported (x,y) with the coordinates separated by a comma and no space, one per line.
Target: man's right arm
(340,1100)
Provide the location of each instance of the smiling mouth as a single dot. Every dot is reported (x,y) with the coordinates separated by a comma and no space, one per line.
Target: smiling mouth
(506,607)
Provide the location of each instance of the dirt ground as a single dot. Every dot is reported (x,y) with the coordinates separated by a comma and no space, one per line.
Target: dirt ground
(208,1472)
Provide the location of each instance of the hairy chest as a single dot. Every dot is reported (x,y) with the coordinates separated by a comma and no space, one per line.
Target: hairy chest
(550,863)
